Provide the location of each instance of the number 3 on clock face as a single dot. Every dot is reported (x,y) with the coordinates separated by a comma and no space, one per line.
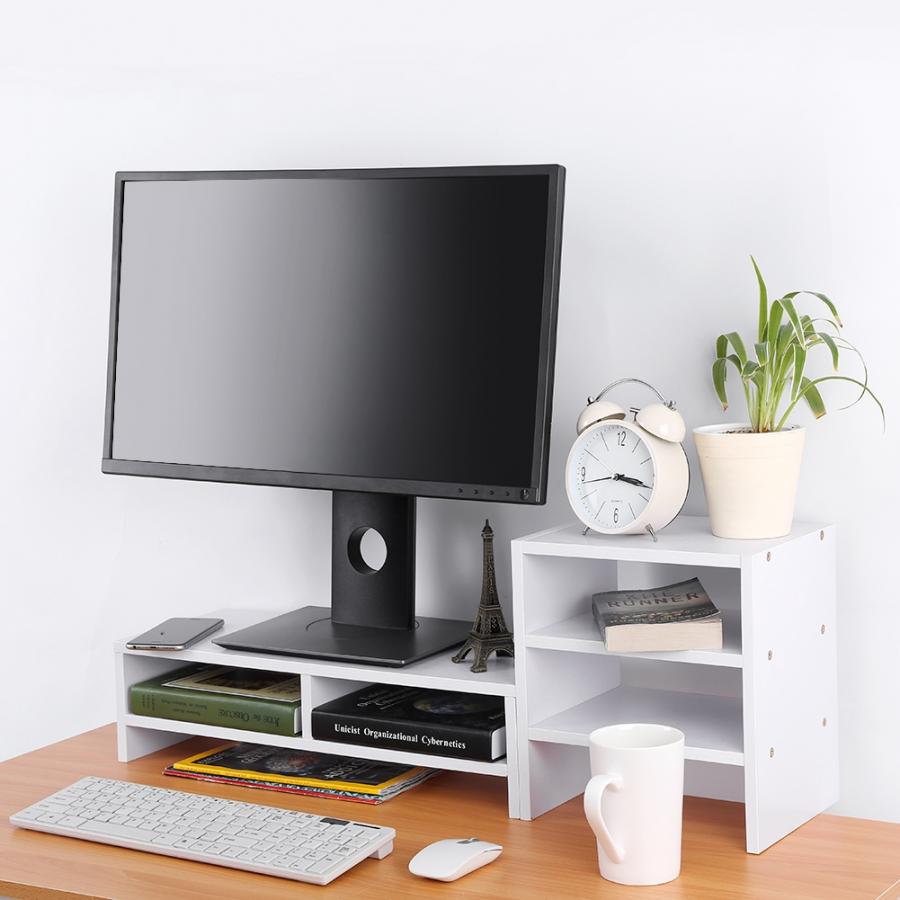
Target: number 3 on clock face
(611,475)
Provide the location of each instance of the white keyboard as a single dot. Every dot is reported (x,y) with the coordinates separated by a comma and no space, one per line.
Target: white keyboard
(247,836)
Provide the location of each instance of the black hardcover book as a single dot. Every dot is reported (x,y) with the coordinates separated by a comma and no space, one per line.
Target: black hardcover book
(441,723)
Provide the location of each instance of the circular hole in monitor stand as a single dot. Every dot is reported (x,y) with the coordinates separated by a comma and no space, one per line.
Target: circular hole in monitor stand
(367,550)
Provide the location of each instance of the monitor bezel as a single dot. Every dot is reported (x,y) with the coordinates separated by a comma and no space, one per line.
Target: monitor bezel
(533,493)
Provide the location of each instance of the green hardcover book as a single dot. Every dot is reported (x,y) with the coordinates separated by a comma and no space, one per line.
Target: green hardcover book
(250,707)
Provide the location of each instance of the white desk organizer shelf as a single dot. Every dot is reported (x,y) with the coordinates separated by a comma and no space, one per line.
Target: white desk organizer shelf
(320,681)
(759,716)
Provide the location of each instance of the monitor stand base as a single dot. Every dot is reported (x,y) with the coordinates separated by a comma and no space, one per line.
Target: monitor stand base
(311,632)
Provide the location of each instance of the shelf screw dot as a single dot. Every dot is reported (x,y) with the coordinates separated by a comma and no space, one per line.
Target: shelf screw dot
(771,752)
(771,654)
(822,629)
(769,557)
(824,722)
(821,535)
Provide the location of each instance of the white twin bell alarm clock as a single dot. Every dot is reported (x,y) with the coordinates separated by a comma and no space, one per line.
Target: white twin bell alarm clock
(628,476)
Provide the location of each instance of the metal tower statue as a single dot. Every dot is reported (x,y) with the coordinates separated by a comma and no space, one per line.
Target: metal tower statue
(489,633)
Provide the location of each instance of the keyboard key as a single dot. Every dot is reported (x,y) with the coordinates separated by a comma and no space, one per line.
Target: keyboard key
(126,832)
(233,840)
(322,866)
(53,808)
(166,840)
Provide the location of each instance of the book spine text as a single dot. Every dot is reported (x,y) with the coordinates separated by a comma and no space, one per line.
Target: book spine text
(417,737)
(228,711)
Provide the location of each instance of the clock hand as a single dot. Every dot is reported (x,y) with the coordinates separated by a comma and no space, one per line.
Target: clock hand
(605,466)
(604,478)
(634,481)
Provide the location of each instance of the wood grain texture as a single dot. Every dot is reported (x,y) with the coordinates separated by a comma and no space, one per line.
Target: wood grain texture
(830,857)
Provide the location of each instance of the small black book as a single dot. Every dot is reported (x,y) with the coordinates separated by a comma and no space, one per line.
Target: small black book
(441,723)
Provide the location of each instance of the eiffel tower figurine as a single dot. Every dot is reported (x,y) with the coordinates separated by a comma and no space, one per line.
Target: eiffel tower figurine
(488,634)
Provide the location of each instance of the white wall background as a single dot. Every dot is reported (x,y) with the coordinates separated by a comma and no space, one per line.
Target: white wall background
(693,133)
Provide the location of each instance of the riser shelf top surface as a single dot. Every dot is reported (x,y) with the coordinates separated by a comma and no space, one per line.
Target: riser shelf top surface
(686,541)
(437,671)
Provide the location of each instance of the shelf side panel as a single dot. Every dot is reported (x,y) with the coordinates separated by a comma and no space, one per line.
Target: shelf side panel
(790,686)
(558,772)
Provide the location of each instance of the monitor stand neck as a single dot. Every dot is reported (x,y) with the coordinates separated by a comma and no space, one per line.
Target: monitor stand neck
(361,595)
(372,619)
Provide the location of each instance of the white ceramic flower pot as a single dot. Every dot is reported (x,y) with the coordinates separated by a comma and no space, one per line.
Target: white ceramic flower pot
(750,479)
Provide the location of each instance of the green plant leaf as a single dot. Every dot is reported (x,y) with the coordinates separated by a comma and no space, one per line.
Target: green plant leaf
(721,346)
(785,335)
(763,302)
(738,344)
(813,398)
(774,327)
(791,311)
(799,364)
(810,386)
(762,352)
(718,377)
(832,308)
(844,344)
(828,340)
(749,368)
(816,320)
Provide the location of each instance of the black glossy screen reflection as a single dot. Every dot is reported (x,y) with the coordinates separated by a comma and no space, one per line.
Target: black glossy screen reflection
(370,327)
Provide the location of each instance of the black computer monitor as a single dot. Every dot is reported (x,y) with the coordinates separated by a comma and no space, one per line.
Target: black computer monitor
(383,334)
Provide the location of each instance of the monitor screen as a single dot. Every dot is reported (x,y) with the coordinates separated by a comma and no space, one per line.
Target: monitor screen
(383,331)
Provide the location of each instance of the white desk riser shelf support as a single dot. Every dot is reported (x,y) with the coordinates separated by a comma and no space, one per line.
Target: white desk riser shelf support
(320,681)
(759,716)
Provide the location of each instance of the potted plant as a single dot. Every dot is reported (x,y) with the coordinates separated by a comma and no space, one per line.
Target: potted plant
(750,469)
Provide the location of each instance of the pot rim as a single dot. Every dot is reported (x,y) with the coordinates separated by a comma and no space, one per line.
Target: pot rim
(739,429)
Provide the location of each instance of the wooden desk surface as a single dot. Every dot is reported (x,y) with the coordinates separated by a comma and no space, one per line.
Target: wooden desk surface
(555,856)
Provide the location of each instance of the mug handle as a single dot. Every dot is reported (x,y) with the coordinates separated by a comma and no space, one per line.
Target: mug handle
(592,795)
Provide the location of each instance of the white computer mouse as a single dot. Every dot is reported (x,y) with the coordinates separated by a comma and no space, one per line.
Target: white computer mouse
(453,858)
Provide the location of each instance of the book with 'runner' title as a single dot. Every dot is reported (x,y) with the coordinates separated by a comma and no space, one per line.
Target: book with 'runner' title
(675,617)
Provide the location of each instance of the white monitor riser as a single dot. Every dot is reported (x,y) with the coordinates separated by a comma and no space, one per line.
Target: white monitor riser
(760,716)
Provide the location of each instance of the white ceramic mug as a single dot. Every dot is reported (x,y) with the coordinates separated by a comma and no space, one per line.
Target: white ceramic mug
(633,801)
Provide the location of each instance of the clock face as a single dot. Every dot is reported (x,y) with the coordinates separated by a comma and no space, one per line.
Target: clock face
(611,476)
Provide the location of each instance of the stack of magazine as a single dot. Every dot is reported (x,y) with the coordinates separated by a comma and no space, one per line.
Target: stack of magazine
(301,772)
